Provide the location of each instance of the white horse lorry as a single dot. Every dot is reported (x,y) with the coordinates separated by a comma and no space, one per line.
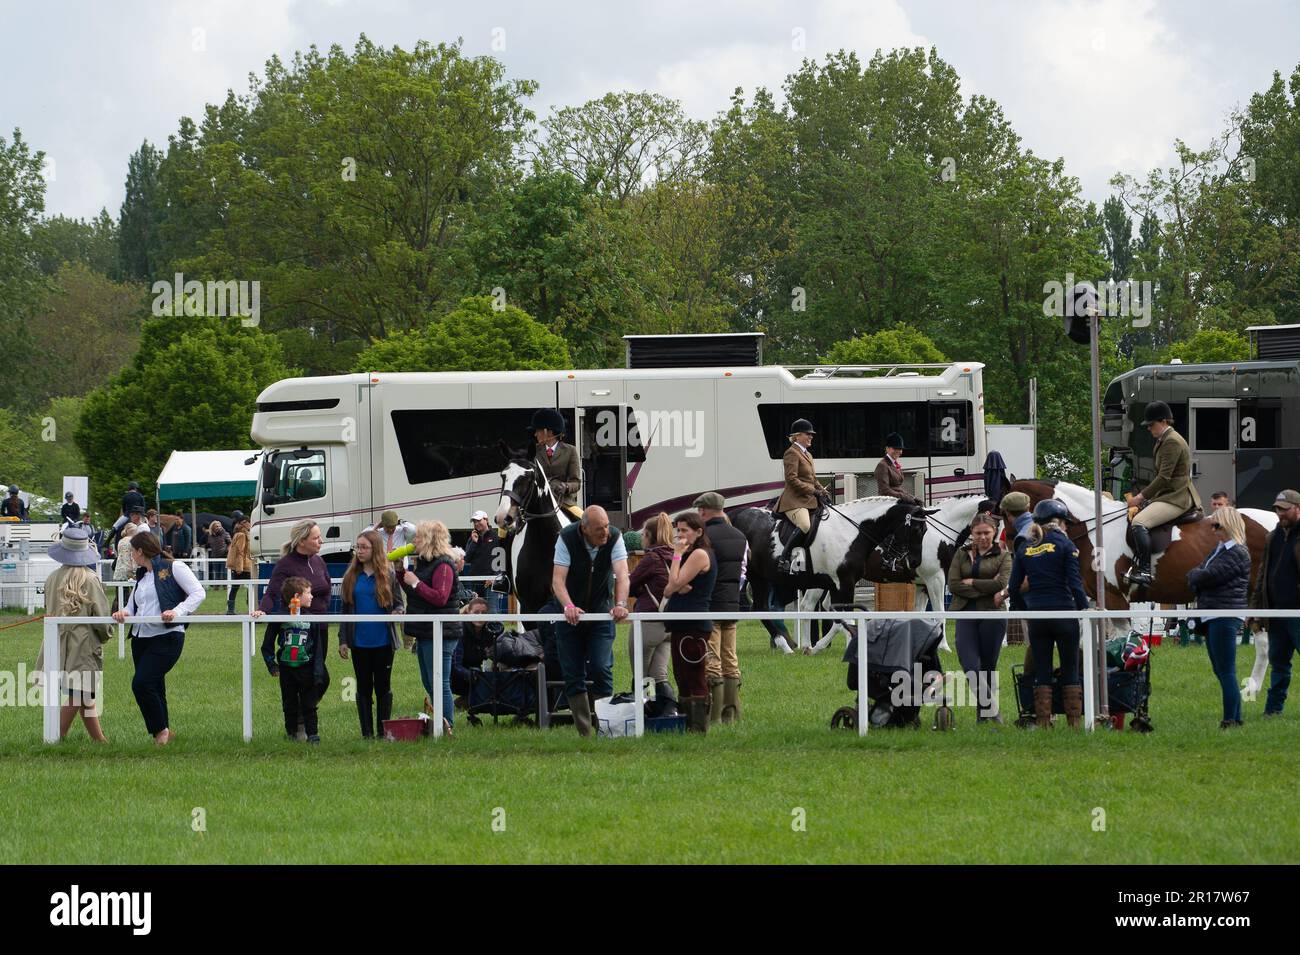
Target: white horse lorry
(707,416)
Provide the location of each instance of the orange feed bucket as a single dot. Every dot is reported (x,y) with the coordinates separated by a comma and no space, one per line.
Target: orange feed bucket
(407,728)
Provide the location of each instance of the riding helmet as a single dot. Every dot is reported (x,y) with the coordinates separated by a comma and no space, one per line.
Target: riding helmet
(133,486)
(1156,411)
(548,418)
(803,425)
(895,440)
(1050,509)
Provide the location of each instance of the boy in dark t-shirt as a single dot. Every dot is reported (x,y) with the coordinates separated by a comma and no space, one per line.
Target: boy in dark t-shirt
(295,651)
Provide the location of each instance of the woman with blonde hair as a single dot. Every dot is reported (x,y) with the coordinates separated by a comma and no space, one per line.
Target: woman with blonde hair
(370,586)
(433,586)
(646,584)
(1220,583)
(75,590)
(239,561)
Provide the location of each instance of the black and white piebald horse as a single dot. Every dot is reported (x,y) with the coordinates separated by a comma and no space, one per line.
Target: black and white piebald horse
(872,538)
(531,512)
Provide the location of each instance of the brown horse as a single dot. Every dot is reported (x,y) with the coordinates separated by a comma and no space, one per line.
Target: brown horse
(1191,544)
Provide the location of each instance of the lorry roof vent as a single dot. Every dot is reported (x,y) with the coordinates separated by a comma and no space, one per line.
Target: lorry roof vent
(736,350)
(1276,342)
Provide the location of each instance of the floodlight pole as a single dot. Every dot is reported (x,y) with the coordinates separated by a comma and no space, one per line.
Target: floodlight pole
(1098,550)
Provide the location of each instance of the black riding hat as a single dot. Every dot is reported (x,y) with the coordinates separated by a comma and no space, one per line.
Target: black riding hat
(549,418)
(895,440)
(1156,411)
(133,486)
(1050,509)
(801,426)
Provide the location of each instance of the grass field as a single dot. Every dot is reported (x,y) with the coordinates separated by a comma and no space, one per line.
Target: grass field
(1185,793)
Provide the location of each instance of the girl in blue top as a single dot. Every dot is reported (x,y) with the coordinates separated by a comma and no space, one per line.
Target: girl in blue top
(370,586)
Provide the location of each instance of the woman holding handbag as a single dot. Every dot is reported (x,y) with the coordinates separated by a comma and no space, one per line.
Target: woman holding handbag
(1220,583)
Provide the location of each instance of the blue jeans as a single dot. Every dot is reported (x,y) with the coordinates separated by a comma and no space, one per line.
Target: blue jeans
(1221,642)
(424,653)
(1283,640)
(586,653)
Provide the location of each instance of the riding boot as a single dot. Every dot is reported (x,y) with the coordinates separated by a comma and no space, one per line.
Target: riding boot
(783,562)
(731,699)
(715,701)
(581,710)
(1140,572)
(1043,707)
(1072,698)
(697,713)
(366,713)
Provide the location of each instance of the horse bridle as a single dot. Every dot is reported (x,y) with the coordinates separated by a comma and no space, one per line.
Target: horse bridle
(521,503)
(892,554)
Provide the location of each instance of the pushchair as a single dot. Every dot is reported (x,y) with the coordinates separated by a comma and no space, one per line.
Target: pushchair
(1128,691)
(902,663)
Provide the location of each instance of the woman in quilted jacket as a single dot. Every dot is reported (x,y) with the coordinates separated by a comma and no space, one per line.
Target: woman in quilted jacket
(1220,583)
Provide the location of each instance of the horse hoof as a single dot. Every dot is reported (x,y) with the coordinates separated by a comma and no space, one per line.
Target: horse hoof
(806,651)
(820,645)
(780,644)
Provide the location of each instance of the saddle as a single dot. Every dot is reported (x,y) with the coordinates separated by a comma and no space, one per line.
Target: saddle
(785,530)
(1162,535)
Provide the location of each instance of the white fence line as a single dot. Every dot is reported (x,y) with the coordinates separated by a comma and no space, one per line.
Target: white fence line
(52,701)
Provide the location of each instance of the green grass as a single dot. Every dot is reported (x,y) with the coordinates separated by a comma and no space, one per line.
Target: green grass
(1185,793)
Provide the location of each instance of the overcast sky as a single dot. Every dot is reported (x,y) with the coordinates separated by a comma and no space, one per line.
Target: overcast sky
(1108,84)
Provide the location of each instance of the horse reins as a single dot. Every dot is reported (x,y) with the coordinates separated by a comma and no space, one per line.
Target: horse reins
(525,515)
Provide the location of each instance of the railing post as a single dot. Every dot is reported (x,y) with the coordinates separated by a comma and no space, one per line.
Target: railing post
(638,676)
(1088,628)
(863,707)
(246,633)
(52,695)
(436,688)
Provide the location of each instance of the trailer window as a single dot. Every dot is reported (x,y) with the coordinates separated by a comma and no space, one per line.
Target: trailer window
(1259,424)
(858,429)
(439,445)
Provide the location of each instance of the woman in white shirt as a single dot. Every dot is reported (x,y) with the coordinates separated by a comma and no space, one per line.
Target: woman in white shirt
(165,588)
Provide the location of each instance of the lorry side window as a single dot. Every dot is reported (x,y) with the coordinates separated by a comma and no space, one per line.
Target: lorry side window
(301,479)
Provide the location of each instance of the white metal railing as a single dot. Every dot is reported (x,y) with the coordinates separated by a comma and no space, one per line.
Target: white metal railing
(50,672)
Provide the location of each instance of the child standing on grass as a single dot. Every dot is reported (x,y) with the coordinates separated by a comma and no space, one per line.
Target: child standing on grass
(294,661)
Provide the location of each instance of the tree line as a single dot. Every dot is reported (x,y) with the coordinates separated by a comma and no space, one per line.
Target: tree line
(406,209)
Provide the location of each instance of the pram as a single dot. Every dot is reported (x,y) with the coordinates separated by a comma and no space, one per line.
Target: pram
(1127,691)
(902,663)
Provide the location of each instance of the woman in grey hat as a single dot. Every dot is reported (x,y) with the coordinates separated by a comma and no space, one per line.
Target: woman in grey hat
(74,590)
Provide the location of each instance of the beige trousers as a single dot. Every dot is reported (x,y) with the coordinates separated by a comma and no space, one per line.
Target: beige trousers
(1157,513)
(799,518)
(655,649)
(722,661)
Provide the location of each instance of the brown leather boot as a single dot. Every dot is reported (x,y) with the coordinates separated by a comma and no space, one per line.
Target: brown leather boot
(1072,699)
(715,702)
(1043,707)
(731,700)
(581,709)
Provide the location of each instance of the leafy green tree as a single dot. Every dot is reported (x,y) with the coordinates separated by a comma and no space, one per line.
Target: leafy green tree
(55,452)
(615,145)
(1119,238)
(138,238)
(1210,345)
(344,183)
(85,331)
(474,337)
(94,243)
(22,286)
(192,384)
(20,458)
(894,346)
